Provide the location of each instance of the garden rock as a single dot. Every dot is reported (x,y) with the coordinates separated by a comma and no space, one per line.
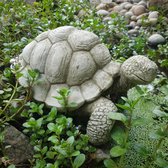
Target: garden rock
(16,145)
(102,12)
(94,3)
(156,39)
(75,59)
(162,4)
(138,10)
(154,14)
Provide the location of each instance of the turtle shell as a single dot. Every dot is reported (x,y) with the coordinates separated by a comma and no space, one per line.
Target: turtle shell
(71,58)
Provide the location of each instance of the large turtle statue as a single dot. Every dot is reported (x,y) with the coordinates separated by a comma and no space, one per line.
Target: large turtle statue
(70,58)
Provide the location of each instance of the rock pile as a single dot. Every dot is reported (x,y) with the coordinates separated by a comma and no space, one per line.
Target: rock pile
(135,12)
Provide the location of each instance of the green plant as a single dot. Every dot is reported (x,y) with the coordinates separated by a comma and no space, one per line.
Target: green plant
(63,99)
(149,141)
(12,101)
(141,139)
(120,135)
(57,141)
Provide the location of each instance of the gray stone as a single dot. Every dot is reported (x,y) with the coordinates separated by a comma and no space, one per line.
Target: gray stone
(101,6)
(133,32)
(106,19)
(156,39)
(132,24)
(128,14)
(16,145)
(153,21)
(142,16)
(94,3)
(154,14)
(133,18)
(128,6)
(106,1)
(143,3)
(138,9)
(122,12)
(117,8)
(102,12)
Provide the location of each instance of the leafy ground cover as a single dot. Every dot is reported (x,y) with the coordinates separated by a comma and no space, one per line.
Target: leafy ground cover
(140,139)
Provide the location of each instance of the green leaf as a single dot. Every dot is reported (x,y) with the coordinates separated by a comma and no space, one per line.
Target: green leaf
(44,150)
(109,163)
(117,116)
(79,160)
(140,90)
(52,127)
(11,166)
(50,154)
(58,97)
(124,107)
(72,105)
(140,121)
(53,139)
(39,122)
(49,165)
(161,162)
(160,113)
(52,114)
(118,135)
(76,153)
(117,151)
(142,150)
(33,73)
(60,150)
(71,140)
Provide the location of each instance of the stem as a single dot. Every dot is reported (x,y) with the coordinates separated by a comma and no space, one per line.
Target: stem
(71,162)
(6,118)
(9,102)
(154,154)
(128,127)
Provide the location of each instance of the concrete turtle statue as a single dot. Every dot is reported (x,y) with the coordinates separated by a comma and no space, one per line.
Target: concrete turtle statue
(76,59)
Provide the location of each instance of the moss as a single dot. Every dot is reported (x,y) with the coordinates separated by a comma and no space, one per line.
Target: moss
(139,135)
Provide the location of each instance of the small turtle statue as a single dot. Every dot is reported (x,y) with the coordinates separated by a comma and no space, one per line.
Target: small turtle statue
(67,57)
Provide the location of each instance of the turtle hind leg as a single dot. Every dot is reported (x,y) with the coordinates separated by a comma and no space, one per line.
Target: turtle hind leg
(99,124)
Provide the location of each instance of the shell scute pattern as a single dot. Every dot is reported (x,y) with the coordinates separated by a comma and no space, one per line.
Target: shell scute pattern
(42,36)
(72,58)
(82,67)
(101,55)
(82,40)
(56,64)
(39,55)
(27,51)
(60,34)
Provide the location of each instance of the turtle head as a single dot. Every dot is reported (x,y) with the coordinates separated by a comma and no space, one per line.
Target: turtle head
(139,70)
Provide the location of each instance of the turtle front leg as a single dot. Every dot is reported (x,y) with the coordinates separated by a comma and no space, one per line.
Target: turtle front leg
(99,124)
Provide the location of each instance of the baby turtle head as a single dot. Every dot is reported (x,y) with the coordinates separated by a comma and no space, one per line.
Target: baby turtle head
(139,70)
